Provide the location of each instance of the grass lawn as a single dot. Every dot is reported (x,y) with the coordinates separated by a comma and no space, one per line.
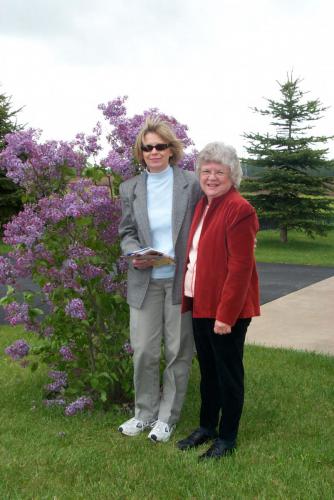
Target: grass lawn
(286,440)
(299,249)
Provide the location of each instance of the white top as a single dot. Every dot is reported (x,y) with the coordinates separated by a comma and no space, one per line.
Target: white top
(159,207)
(190,277)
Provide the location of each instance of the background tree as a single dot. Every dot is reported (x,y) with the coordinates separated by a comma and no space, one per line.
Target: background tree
(289,191)
(10,193)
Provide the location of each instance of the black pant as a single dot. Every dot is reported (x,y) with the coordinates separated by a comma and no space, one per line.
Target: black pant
(222,376)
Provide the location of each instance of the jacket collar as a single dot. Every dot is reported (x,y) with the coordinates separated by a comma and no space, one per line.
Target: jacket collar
(218,200)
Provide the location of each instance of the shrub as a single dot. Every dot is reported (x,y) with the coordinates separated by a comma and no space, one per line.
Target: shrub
(65,241)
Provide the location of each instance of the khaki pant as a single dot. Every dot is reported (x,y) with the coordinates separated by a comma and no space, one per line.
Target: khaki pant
(158,320)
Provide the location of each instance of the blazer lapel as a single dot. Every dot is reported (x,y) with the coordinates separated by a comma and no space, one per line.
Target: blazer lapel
(140,208)
(180,202)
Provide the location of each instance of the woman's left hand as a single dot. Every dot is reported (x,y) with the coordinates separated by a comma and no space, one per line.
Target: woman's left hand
(221,328)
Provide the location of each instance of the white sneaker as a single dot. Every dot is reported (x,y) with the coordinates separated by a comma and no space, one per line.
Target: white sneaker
(161,431)
(133,427)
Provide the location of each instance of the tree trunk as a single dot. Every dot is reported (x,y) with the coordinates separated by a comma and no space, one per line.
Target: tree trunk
(283,235)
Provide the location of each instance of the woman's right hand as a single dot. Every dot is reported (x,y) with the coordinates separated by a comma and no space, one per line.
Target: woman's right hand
(142,263)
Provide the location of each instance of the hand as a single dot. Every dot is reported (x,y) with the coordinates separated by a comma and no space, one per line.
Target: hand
(221,328)
(142,263)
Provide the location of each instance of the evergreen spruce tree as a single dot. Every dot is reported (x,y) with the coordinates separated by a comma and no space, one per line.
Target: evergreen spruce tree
(289,190)
(10,193)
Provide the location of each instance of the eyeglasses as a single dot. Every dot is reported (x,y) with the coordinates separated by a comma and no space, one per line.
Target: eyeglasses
(158,147)
(219,173)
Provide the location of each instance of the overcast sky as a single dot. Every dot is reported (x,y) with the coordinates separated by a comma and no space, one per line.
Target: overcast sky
(206,62)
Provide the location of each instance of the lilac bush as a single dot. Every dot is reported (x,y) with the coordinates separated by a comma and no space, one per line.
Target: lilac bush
(65,240)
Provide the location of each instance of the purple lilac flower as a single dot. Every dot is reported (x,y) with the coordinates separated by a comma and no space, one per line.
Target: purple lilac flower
(189,160)
(27,227)
(122,265)
(59,381)
(16,313)
(19,147)
(111,286)
(18,349)
(24,260)
(78,405)
(83,199)
(89,144)
(7,271)
(114,110)
(70,276)
(54,402)
(119,163)
(108,283)
(78,251)
(40,252)
(37,166)
(127,348)
(32,326)
(76,309)
(70,265)
(89,271)
(66,353)
(51,208)
(48,331)
(48,288)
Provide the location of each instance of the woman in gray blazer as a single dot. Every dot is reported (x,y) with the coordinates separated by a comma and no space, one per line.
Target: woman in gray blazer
(157,208)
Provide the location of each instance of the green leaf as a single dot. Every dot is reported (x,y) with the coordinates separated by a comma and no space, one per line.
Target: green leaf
(103,396)
(5,300)
(35,311)
(27,296)
(10,290)
(104,375)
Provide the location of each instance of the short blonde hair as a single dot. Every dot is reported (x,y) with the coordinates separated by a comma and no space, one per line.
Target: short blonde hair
(156,125)
(218,152)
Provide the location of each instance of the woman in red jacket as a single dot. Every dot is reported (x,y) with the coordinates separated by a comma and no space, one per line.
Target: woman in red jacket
(221,289)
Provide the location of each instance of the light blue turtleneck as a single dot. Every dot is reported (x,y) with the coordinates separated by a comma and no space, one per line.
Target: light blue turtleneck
(159,207)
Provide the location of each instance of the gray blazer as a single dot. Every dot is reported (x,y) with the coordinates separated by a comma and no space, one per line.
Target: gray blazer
(134,228)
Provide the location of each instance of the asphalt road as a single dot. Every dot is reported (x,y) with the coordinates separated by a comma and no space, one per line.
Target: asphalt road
(276,280)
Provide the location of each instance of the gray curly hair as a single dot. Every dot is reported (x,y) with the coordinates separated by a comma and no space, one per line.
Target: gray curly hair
(218,152)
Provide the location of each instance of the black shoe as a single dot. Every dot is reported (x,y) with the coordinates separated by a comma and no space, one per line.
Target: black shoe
(197,437)
(218,449)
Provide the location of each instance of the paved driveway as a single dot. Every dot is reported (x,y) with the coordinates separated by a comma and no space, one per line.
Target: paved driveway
(277,280)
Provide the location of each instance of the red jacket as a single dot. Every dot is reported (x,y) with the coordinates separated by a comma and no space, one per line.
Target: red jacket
(226,285)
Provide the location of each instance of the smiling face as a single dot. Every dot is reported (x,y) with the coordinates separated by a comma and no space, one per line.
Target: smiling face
(156,161)
(215,179)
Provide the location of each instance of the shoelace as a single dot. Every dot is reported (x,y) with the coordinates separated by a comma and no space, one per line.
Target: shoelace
(138,423)
(160,426)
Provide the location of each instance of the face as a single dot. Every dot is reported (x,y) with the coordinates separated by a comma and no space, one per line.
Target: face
(215,179)
(156,161)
